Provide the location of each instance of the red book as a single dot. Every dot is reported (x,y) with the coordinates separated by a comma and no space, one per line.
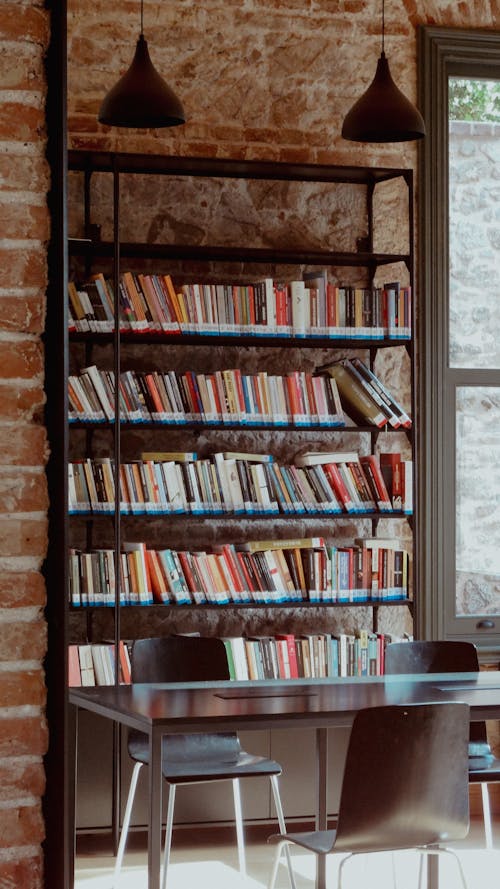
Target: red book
(374,475)
(244,570)
(126,676)
(236,296)
(332,472)
(192,385)
(193,584)
(390,467)
(155,395)
(331,305)
(74,677)
(239,389)
(289,638)
(229,556)
(281,307)
(311,395)
(251,304)
(293,393)
(159,586)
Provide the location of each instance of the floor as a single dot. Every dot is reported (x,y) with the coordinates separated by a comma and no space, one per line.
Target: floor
(211,863)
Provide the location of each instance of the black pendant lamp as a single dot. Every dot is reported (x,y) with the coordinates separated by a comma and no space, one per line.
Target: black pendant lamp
(141,98)
(383,113)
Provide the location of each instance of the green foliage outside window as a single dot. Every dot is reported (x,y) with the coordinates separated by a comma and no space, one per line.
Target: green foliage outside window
(474,100)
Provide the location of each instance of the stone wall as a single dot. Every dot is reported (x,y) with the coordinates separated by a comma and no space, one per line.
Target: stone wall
(24,177)
(474,343)
(258,79)
(474,244)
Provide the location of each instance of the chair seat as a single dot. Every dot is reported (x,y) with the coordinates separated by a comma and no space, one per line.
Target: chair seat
(204,758)
(484,769)
(319,841)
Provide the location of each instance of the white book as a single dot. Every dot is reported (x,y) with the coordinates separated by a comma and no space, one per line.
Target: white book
(234,486)
(86,665)
(101,390)
(265,503)
(175,486)
(226,499)
(100,667)
(298,297)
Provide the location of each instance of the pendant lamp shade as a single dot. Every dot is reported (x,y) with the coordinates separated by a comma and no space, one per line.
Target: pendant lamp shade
(141,98)
(383,113)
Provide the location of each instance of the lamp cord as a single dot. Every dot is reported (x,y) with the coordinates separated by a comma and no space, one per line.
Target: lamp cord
(142,17)
(383,24)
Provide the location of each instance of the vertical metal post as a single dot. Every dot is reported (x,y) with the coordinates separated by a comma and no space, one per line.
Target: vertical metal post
(155,809)
(321,791)
(116,795)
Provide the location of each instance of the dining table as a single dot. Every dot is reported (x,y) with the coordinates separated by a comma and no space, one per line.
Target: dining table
(167,708)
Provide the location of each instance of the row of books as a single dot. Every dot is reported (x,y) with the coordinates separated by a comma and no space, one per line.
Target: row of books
(296,398)
(309,307)
(228,396)
(307,655)
(234,483)
(94,664)
(302,570)
(280,656)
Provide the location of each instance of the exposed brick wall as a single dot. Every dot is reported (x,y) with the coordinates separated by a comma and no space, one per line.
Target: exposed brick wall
(24,178)
(259,79)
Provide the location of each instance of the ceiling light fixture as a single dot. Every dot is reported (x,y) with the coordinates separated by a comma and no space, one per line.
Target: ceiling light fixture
(141,98)
(383,113)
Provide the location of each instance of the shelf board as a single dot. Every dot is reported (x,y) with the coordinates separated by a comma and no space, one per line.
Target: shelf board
(154,164)
(241,255)
(252,517)
(210,606)
(238,341)
(220,427)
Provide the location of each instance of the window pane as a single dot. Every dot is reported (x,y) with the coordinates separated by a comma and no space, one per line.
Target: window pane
(474,222)
(477,501)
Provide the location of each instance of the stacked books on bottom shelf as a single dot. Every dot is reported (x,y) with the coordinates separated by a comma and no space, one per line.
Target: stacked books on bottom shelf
(273,572)
(94,664)
(315,655)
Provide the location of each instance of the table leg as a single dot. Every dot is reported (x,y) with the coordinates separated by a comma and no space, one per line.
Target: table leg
(321,786)
(433,872)
(155,810)
(72,783)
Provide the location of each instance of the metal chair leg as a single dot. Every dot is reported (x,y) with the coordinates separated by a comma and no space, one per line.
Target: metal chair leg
(277,858)
(341,869)
(281,822)
(238,817)
(393,863)
(420,870)
(442,850)
(126,822)
(168,832)
(485,797)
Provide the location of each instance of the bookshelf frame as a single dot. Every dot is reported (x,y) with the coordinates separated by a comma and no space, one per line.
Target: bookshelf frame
(88,248)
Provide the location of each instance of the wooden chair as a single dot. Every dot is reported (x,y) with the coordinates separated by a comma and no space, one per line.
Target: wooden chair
(447,656)
(405,785)
(196,758)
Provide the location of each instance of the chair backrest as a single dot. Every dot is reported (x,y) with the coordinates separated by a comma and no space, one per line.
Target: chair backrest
(406,778)
(184,659)
(441,656)
(179,659)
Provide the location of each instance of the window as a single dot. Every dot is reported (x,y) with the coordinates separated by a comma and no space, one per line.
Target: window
(459,337)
